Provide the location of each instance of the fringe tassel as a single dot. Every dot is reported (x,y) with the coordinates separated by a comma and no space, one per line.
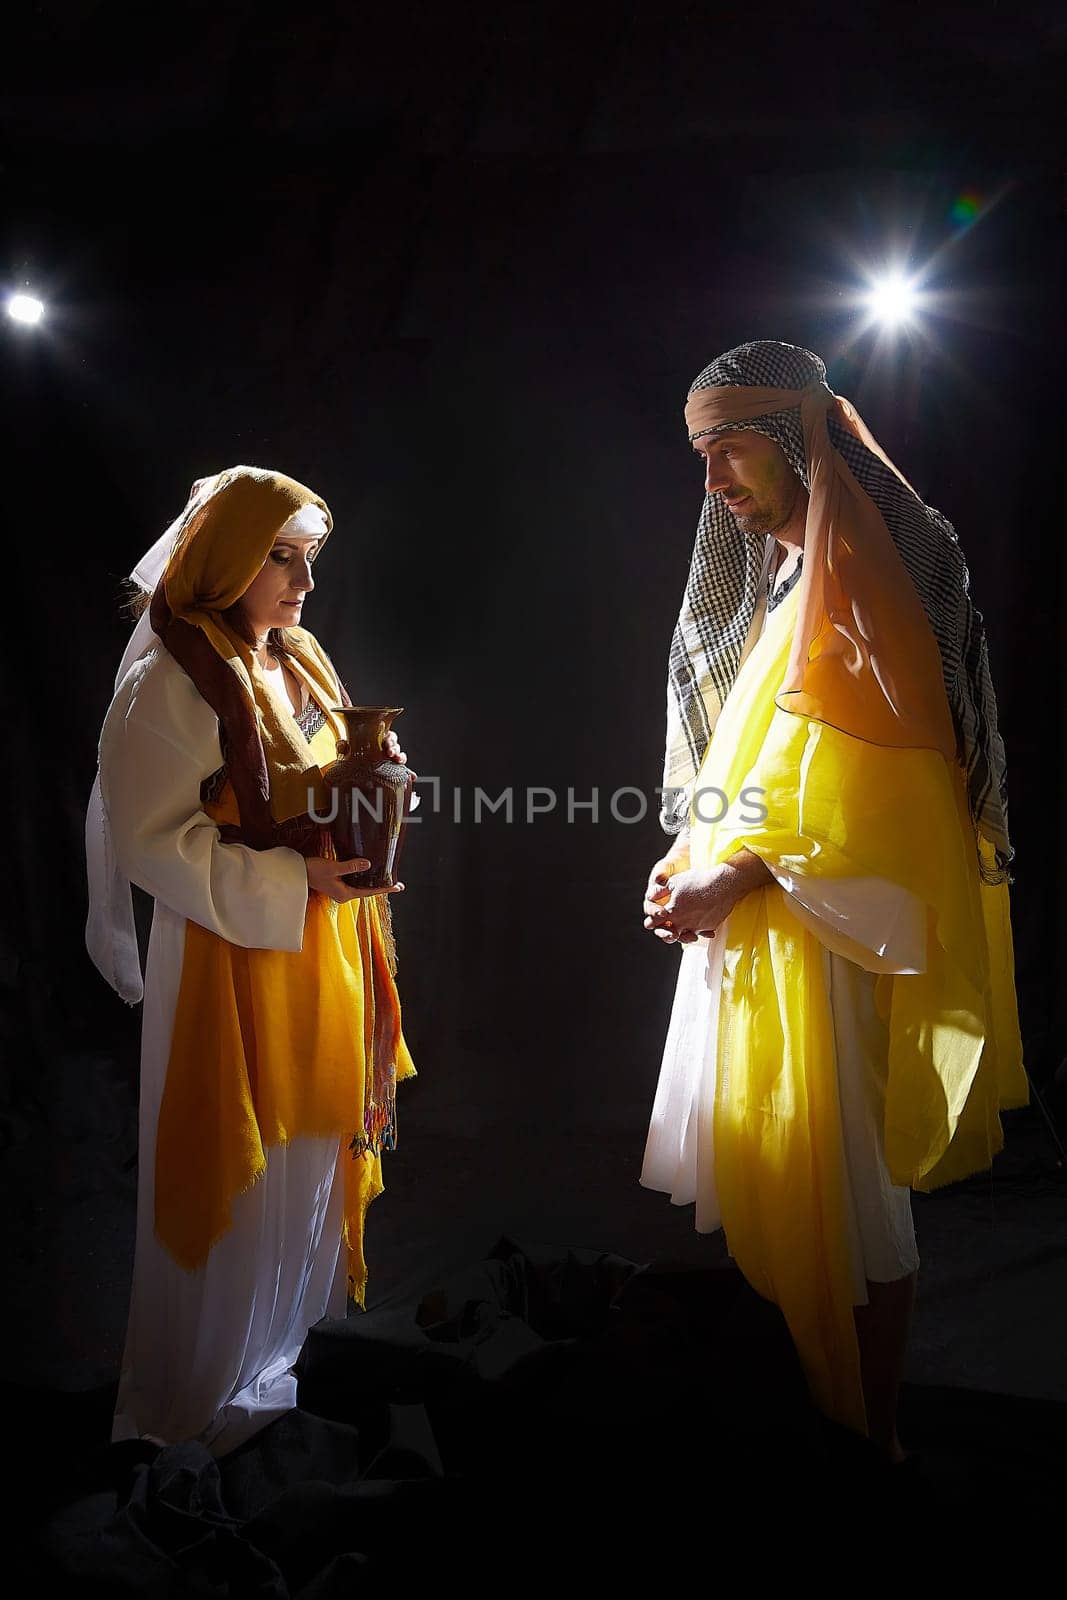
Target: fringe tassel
(379,1130)
(388,939)
(997,871)
(987,875)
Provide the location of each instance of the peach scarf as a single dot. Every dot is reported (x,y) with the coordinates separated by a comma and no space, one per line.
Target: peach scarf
(864,658)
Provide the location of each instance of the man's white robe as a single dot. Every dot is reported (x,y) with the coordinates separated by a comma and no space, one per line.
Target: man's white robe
(866,926)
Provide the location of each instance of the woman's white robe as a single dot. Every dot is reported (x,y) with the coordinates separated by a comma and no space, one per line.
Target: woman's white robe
(208,1353)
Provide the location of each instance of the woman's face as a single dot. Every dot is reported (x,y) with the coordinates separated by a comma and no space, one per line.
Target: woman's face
(275,596)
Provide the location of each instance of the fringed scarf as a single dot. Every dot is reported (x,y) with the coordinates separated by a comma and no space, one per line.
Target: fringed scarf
(916,590)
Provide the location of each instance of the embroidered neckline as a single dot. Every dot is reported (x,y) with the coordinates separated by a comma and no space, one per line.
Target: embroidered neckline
(311,719)
(776,596)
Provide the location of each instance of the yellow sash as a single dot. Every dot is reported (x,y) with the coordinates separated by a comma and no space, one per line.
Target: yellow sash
(840,806)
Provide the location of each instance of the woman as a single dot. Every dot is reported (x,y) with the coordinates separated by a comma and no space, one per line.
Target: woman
(271,1038)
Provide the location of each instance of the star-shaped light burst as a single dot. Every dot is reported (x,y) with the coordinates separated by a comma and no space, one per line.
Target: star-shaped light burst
(893,300)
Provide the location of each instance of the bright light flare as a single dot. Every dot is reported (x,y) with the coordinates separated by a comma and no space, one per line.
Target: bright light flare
(893,300)
(24,308)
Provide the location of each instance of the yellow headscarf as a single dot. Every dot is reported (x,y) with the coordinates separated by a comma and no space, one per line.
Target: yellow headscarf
(216,556)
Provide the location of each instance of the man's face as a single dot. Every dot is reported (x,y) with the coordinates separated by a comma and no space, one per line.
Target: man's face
(752,477)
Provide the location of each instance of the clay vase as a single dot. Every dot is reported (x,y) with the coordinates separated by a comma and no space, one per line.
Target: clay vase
(373,796)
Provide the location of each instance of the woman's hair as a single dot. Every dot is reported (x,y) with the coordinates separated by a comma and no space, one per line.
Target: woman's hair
(135,601)
(235,616)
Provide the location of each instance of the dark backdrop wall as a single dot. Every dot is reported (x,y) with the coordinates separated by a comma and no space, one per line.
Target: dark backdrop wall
(459,280)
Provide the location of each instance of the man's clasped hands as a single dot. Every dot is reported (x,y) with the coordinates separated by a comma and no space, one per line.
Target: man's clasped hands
(683,902)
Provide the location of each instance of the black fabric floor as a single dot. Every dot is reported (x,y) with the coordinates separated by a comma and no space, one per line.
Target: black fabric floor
(556,1377)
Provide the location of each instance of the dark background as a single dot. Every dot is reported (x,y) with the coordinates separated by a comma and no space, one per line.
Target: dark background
(456,272)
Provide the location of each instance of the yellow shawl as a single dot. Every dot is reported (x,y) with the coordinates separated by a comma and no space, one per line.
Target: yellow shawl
(274,1045)
(839,806)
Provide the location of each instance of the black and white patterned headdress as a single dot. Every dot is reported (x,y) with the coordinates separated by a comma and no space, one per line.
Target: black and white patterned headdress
(723,591)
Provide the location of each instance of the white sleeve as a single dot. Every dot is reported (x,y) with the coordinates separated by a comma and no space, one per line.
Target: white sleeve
(870,921)
(159,741)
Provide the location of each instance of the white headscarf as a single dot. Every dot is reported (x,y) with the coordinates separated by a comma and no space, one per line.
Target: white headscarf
(110,931)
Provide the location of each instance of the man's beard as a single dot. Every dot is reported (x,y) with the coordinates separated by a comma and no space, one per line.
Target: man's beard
(767,522)
(760,521)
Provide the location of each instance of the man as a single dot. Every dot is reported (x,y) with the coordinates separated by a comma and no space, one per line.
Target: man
(844,1027)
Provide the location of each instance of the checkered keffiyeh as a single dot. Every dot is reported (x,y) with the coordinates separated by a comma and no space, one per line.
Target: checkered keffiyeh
(722,594)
